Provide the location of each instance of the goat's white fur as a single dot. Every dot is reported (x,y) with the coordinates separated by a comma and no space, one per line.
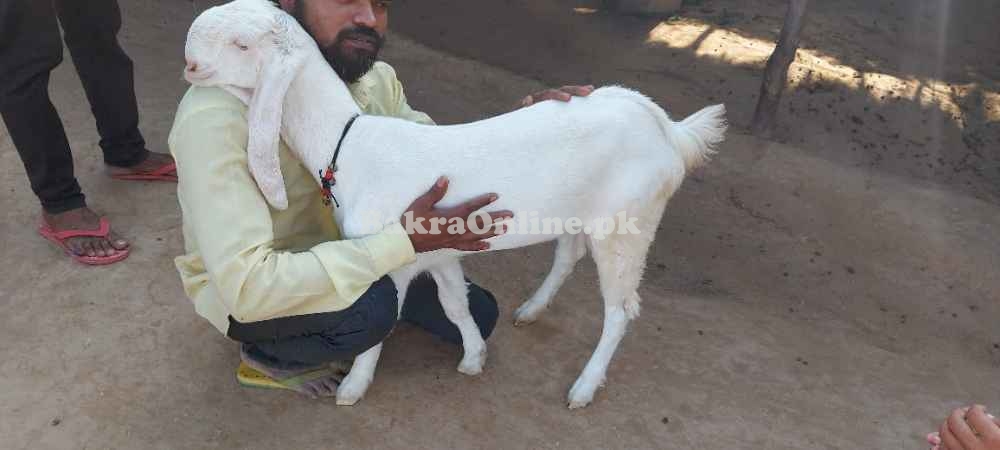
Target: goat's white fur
(614,151)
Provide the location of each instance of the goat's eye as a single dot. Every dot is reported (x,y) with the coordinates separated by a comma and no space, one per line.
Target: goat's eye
(242,46)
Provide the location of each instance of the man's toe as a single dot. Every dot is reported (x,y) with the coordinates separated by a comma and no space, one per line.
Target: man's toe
(88,249)
(118,243)
(102,248)
(76,247)
(310,390)
(96,245)
(321,388)
(331,386)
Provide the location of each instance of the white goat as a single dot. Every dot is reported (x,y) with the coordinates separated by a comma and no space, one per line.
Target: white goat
(592,158)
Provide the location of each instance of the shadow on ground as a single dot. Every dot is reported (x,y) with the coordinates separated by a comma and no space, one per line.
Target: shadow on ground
(909,88)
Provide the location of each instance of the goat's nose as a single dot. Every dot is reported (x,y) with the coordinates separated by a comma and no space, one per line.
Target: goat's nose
(191,67)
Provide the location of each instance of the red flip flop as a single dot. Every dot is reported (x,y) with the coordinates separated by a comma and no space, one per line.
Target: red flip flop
(167,172)
(59,238)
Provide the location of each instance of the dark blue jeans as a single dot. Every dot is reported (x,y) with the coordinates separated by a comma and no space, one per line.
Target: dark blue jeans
(310,340)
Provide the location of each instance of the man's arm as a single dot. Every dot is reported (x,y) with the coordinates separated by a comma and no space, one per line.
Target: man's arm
(399,107)
(230,221)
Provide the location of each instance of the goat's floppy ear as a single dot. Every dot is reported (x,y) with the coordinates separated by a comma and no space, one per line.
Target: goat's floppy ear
(276,74)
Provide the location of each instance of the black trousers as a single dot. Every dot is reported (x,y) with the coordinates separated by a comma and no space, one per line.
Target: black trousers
(310,340)
(30,47)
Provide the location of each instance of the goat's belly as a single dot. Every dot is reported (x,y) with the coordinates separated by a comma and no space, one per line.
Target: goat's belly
(517,240)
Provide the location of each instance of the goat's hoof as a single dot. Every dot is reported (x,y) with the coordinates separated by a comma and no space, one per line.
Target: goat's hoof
(349,394)
(347,401)
(525,315)
(472,364)
(581,394)
(522,323)
(470,370)
(577,405)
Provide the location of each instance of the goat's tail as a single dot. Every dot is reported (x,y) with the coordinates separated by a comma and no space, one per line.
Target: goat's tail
(696,136)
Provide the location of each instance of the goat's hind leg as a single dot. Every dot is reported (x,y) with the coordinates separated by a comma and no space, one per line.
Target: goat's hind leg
(619,260)
(453,293)
(569,249)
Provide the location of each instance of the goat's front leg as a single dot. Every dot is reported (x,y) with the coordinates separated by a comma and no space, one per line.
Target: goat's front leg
(569,249)
(453,295)
(356,383)
(362,372)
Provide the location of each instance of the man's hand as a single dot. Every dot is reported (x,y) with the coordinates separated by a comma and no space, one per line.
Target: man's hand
(563,94)
(423,210)
(967,429)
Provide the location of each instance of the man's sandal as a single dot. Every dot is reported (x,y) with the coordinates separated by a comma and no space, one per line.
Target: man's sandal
(250,377)
(103,231)
(166,172)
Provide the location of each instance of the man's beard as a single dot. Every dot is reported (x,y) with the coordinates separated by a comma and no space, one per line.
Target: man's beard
(349,63)
(352,63)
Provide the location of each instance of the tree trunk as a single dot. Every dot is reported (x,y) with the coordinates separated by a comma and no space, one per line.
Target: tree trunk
(776,72)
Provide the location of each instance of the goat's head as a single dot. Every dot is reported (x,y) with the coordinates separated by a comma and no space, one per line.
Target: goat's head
(254,47)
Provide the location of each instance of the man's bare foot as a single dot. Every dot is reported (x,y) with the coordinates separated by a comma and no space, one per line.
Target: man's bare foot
(152,162)
(85,219)
(323,385)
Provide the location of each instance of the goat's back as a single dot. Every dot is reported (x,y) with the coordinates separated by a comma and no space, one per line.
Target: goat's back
(589,158)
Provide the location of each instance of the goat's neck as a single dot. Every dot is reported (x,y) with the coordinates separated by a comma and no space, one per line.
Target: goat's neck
(317,100)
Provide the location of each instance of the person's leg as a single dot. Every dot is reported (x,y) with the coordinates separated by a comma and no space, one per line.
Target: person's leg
(29,49)
(423,309)
(91,34)
(288,346)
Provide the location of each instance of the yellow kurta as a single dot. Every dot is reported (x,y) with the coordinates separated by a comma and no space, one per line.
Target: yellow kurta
(243,258)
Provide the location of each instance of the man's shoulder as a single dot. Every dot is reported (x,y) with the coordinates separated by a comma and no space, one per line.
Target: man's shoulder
(380,81)
(206,112)
(203,99)
(382,94)
(377,92)
(382,72)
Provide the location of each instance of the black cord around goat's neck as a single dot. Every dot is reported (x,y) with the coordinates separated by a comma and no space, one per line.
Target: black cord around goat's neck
(328,177)
(340,143)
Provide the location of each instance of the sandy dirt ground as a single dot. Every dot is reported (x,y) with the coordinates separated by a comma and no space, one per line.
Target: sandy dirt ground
(906,87)
(801,294)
